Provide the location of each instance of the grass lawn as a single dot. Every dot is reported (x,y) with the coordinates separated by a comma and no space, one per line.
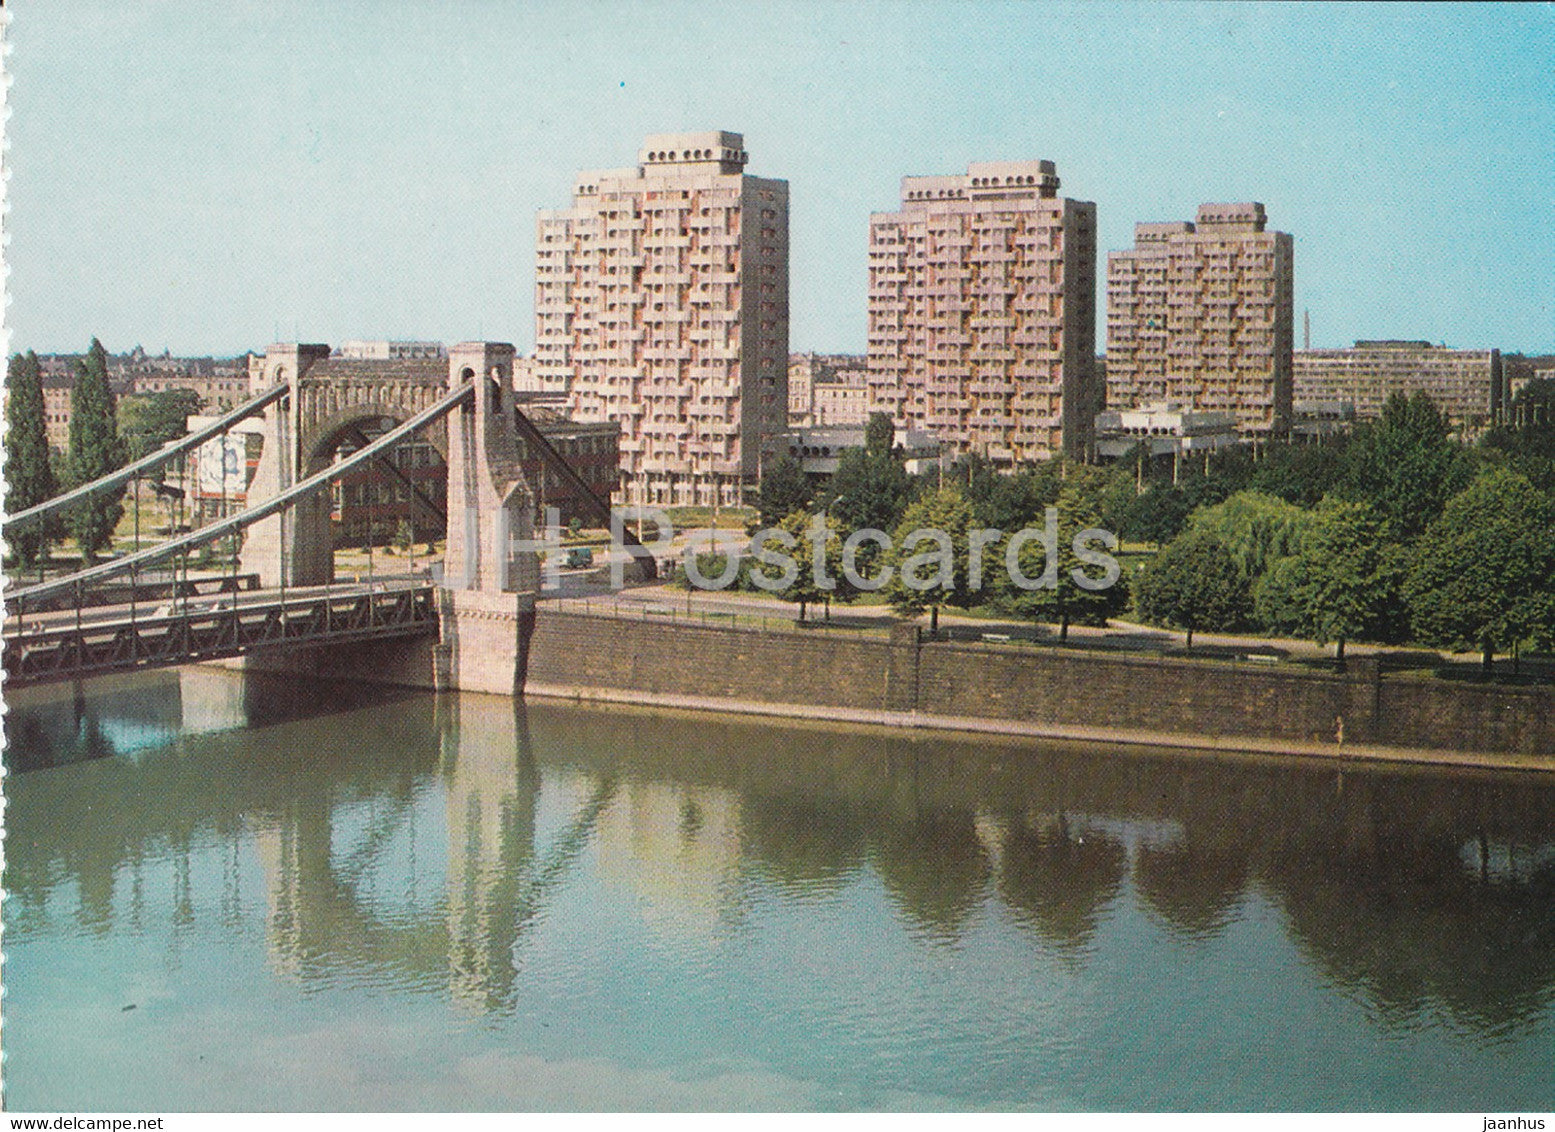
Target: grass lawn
(727,518)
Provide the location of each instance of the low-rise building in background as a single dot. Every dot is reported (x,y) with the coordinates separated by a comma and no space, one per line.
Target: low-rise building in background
(1164,429)
(1467,385)
(819,450)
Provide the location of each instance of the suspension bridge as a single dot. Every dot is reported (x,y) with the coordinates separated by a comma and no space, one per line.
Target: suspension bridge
(287,596)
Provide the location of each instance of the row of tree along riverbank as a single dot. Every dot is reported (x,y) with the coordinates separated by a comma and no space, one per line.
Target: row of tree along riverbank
(1399,533)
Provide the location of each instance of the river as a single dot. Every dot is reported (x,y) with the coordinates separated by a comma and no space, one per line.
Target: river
(240,893)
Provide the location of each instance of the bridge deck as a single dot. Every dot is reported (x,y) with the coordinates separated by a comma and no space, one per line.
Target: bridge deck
(181,631)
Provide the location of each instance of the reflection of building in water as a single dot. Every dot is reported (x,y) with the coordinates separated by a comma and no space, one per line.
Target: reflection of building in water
(291,852)
(679,846)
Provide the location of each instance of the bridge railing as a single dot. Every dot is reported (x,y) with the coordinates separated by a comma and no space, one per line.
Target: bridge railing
(213,629)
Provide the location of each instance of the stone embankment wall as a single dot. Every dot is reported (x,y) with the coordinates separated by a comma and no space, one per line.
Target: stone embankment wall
(1017,689)
(904,680)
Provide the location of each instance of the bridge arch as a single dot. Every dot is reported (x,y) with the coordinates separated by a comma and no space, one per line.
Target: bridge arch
(336,405)
(326,435)
(407,486)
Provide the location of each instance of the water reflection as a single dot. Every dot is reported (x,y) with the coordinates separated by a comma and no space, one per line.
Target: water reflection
(420,843)
(1057,878)
(55,725)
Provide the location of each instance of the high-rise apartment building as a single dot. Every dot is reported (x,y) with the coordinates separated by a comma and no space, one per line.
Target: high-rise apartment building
(1200,315)
(1467,385)
(661,302)
(982,312)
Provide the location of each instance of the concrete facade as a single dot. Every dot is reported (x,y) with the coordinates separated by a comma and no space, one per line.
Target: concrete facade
(819,450)
(1163,429)
(1469,386)
(1202,314)
(661,302)
(982,312)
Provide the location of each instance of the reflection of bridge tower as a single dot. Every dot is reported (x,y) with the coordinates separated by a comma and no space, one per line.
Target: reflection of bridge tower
(294,853)
(678,846)
(492,786)
(341,907)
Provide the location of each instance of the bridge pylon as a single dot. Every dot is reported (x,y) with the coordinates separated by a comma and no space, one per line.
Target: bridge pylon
(491,507)
(491,571)
(297,546)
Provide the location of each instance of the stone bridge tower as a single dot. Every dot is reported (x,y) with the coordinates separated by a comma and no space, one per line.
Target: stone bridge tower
(491,572)
(490,569)
(331,399)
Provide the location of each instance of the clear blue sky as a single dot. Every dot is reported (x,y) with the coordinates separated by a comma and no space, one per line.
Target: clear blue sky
(207,176)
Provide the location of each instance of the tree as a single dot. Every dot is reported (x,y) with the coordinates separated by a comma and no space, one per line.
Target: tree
(1257,529)
(147,421)
(1280,602)
(819,558)
(711,566)
(1526,442)
(871,487)
(1073,588)
(1531,418)
(1406,464)
(1194,584)
(1347,584)
(1158,516)
(879,434)
(95,450)
(784,490)
(28,474)
(1484,575)
(1300,473)
(930,571)
(1007,502)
